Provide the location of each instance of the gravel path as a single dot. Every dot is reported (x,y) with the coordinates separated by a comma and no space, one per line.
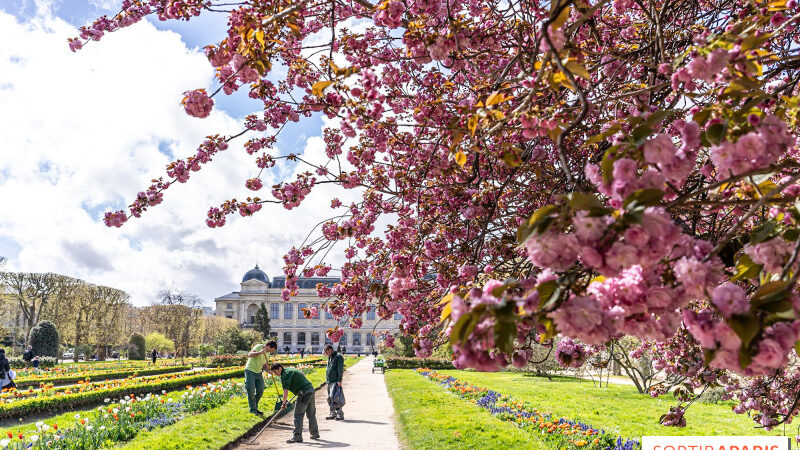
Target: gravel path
(369,417)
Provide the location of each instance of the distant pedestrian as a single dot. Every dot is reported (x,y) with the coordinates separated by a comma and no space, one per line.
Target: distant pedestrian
(302,353)
(154,356)
(344,350)
(253,378)
(295,382)
(333,375)
(28,356)
(35,362)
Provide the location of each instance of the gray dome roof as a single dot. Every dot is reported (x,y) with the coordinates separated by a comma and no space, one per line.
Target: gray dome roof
(256,274)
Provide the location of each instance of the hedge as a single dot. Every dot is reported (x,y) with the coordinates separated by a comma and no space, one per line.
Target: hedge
(403,362)
(22,382)
(24,407)
(45,362)
(241,360)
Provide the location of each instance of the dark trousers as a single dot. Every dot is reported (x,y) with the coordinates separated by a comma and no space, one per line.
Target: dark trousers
(338,411)
(254,385)
(305,406)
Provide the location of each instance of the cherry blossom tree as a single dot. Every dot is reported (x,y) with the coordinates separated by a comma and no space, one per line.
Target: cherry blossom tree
(588,168)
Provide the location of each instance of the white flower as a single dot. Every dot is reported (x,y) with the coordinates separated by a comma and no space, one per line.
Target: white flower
(34,438)
(77,417)
(127,409)
(5,442)
(89,427)
(105,416)
(106,400)
(169,400)
(39,424)
(116,410)
(103,427)
(45,427)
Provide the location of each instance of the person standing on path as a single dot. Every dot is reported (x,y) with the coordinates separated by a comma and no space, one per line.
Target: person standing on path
(333,375)
(28,356)
(154,356)
(295,382)
(253,379)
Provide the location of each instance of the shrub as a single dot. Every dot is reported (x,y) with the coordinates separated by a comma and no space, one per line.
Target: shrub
(44,339)
(137,347)
(23,382)
(228,360)
(713,395)
(45,362)
(402,362)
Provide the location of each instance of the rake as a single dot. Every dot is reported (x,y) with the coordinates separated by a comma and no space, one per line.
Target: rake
(277,412)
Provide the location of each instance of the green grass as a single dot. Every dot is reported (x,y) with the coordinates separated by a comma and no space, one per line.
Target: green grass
(618,409)
(217,427)
(431,418)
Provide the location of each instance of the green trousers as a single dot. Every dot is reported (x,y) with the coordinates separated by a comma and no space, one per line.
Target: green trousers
(254,385)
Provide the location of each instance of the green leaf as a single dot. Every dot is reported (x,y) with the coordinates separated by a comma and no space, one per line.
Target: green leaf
(746,268)
(745,358)
(582,200)
(640,134)
(701,117)
(791,234)
(538,222)
(763,232)
(746,327)
(774,291)
(607,165)
(716,133)
(612,130)
(643,197)
(504,334)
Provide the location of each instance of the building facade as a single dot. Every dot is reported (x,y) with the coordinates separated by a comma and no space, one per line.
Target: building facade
(289,326)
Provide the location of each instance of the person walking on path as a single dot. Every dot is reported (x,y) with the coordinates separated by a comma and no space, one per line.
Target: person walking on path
(6,379)
(253,379)
(28,356)
(154,355)
(333,375)
(295,382)
(302,353)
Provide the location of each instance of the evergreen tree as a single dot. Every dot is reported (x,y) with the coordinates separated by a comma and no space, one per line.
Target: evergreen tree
(137,347)
(44,339)
(261,324)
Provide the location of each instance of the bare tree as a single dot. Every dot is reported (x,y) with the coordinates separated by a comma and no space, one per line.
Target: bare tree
(33,291)
(178,312)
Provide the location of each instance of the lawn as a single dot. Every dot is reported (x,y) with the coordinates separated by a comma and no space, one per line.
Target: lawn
(432,418)
(215,428)
(618,409)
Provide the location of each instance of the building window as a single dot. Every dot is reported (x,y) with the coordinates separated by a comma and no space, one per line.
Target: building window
(300,308)
(328,315)
(301,339)
(287,338)
(317,305)
(230,305)
(356,339)
(327,339)
(343,340)
(397,316)
(274,310)
(273,335)
(229,315)
(370,339)
(314,338)
(287,310)
(371,313)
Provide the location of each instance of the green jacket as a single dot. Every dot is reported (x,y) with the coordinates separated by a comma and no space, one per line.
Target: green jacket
(294,381)
(335,369)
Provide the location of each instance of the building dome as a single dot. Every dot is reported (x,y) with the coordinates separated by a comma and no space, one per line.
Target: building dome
(256,274)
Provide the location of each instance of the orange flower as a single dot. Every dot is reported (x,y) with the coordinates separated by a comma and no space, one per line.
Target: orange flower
(10,436)
(83,421)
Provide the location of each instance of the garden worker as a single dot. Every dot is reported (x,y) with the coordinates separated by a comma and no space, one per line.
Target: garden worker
(35,362)
(28,356)
(333,375)
(293,380)
(253,379)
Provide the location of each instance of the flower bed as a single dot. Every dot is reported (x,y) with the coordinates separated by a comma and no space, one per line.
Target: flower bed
(19,403)
(54,378)
(403,362)
(561,433)
(119,422)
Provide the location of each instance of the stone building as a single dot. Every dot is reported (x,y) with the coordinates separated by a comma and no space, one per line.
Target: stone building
(289,327)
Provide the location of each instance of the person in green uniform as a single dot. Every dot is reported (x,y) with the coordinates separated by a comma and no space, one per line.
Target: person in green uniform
(253,379)
(295,382)
(333,375)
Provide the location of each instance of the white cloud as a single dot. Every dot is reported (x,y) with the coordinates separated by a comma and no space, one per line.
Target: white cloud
(80,134)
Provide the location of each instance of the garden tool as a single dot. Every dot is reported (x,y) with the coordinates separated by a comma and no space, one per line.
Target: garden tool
(278,413)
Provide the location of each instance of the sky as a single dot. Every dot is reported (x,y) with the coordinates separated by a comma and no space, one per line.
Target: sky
(82,133)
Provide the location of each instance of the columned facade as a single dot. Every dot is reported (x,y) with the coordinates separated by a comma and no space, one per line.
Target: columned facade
(289,326)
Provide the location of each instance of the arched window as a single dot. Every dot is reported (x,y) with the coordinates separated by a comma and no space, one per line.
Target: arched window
(356,339)
(287,338)
(371,313)
(343,340)
(301,339)
(397,316)
(274,310)
(314,338)
(287,310)
(251,314)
